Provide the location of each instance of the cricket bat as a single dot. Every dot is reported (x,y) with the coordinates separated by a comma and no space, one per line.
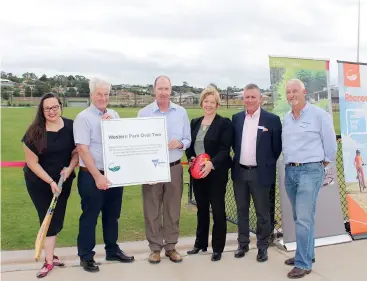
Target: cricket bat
(40,240)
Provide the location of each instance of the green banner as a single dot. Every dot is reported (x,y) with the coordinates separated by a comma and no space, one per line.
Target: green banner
(297,63)
(313,73)
(329,217)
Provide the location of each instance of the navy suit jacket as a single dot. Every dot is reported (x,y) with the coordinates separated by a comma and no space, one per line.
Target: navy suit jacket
(268,145)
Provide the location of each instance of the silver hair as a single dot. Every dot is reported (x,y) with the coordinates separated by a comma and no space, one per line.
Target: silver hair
(95,82)
(297,81)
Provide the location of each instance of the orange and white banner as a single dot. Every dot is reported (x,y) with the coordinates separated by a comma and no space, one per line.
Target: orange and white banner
(353,127)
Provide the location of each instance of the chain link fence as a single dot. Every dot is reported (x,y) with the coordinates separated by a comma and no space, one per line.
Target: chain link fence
(275,213)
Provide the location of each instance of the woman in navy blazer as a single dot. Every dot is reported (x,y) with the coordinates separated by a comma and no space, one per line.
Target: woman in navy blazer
(211,134)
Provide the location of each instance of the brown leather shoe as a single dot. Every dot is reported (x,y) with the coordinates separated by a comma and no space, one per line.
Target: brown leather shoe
(174,256)
(298,273)
(291,261)
(155,257)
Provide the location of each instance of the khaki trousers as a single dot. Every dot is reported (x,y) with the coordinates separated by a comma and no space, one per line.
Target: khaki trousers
(162,207)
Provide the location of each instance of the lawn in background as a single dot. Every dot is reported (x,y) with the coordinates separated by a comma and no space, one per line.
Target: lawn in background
(19,223)
(19,218)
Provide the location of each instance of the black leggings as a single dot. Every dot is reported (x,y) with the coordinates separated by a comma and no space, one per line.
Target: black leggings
(41,195)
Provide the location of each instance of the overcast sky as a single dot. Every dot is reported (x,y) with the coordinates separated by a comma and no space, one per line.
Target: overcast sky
(132,41)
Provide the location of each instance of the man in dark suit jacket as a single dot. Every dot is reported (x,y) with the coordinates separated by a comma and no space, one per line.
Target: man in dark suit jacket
(257,145)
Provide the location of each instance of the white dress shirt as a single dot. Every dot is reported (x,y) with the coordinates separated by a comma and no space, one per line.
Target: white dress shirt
(249,136)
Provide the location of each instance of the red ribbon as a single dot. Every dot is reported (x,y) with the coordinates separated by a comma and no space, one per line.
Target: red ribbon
(20,164)
(12,164)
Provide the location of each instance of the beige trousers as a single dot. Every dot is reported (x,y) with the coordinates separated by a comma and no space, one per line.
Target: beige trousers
(162,208)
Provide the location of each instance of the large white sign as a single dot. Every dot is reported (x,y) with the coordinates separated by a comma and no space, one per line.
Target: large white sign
(135,150)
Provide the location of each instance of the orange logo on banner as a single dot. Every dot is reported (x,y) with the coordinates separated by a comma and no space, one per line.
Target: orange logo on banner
(357,217)
(351,75)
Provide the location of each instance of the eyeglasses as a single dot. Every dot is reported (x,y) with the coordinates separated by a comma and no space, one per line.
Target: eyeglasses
(54,108)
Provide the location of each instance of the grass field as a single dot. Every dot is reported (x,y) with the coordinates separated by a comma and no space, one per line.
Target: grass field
(19,224)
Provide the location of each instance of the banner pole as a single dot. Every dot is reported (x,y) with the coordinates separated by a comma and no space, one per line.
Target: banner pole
(328,88)
(359,24)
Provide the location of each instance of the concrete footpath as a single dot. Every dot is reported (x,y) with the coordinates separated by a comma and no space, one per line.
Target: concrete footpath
(336,262)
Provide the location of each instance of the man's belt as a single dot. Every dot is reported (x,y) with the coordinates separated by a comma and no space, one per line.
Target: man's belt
(86,170)
(175,163)
(301,164)
(248,167)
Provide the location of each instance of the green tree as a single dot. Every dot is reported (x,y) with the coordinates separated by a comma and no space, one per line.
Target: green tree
(43,78)
(71,92)
(16,92)
(320,80)
(52,82)
(314,80)
(84,89)
(29,91)
(61,80)
(41,88)
(80,78)
(6,92)
(176,88)
(281,106)
(10,77)
(276,77)
(71,81)
(29,76)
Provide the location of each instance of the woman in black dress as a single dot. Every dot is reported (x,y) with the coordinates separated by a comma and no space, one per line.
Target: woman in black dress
(49,152)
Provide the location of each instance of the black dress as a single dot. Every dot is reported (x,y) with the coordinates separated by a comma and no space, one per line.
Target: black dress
(52,159)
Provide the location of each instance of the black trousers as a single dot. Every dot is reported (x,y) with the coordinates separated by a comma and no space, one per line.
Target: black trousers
(245,187)
(211,191)
(272,207)
(94,201)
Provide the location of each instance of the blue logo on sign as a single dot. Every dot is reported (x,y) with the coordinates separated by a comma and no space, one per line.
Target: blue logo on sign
(156,162)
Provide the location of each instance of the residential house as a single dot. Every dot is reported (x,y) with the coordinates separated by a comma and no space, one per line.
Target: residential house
(7,83)
(188,98)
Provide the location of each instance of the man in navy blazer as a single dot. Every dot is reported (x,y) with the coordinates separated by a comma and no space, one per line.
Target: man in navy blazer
(257,145)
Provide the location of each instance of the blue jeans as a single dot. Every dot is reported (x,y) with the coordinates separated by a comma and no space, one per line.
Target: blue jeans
(302,184)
